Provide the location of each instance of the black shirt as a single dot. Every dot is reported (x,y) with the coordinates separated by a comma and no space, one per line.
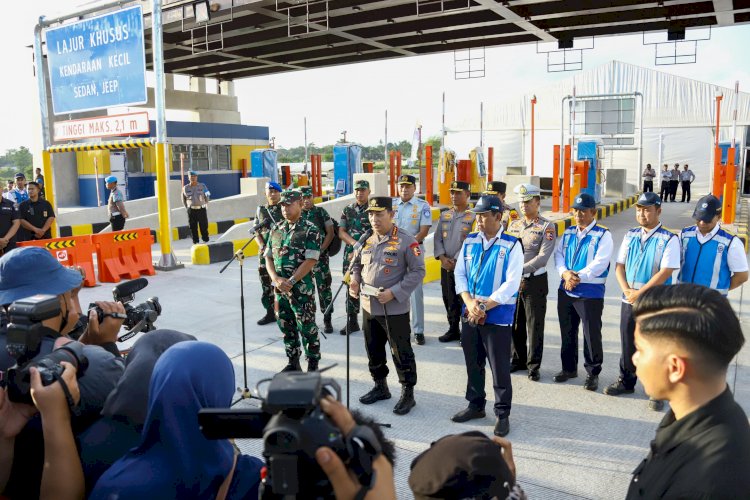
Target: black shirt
(8,214)
(706,454)
(36,213)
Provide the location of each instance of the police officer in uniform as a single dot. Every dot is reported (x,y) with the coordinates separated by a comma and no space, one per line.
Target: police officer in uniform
(453,227)
(388,271)
(488,273)
(648,179)
(582,260)
(497,188)
(354,223)
(9,223)
(665,176)
(267,215)
(648,256)
(195,197)
(413,215)
(116,205)
(292,250)
(538,236)
(18,194)
(711,256)
(322,270)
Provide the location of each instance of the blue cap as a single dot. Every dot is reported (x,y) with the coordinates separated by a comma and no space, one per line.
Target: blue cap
(707,208)
(584,201)
(274,185)
(649,199)
(109,179)
(19,175)
(488,203)
(28,271)
(192,172)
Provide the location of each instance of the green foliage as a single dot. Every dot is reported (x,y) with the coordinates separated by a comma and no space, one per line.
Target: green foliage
(369,153)
(16,160)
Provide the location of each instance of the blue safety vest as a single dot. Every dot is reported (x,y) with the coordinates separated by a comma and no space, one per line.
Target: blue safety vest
(579,255)
(644,258)
(486,270)
(706,264)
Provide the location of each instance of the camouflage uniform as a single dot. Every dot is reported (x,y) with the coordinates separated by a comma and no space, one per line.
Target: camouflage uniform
(319,217)
(264,213)
(510,215)
(355,222)
(289,246)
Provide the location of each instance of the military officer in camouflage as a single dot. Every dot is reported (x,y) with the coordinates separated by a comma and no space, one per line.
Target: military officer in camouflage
(389,269)
(292,250)
(453,227)
(270,212)
(354,223)
(322,270)
(498,189)
(538,236)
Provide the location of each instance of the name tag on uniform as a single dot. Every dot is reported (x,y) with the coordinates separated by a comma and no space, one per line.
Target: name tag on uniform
(445,234)
(366,258)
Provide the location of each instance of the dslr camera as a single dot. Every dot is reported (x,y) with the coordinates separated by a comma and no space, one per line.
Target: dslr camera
(140,318)
(25,334)
(293,426)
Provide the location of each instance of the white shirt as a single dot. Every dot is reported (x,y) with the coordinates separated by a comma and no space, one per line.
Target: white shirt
(601,258)
(736,257)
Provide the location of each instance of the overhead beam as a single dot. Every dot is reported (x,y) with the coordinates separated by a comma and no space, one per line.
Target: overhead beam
(511,16)
(724,14)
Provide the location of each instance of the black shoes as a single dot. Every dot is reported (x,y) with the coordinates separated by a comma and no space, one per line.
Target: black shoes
(516,368)
(327,326)
(377,393)
(270,317)
(312,365)
(592,383)
(351,324)
(618,388)
(563,376)
(655,404)
(502,427)
(450,336)
(419,337)
(467,414)
(293,365)
(534,375)
(406,403)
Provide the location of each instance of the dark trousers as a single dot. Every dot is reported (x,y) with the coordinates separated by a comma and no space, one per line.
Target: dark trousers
(491,343)
(673,189)
(198,218)
(685,190)
(627,341)
(376,335)
(452,302)
(648,186)
(571,313)
(664,194)
(117,222)
(531,309)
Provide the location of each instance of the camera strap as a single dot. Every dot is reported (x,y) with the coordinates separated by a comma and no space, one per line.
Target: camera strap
(68,396)
(224,488)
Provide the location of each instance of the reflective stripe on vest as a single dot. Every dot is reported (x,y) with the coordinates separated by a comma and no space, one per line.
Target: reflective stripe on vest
(706,264)
(578,255)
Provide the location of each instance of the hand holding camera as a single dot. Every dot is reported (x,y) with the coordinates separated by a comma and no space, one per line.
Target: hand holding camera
(55,400)
(113,315)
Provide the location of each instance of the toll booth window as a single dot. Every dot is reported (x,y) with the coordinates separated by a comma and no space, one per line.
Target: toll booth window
(602,117)
(199,157)
(134,160)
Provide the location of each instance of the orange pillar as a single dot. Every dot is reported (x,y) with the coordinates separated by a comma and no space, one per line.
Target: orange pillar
(398,164)
(556,178)
(428,172)
(490,164)
(367,167)
(313,178)
(566,180)
(730,189)
(718,185)
(243,167)
(464,170)
(320,175)
(392,172)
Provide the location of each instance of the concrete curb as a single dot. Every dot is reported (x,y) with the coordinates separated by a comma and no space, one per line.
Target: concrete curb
(741,222)
(178,233)
(222,251)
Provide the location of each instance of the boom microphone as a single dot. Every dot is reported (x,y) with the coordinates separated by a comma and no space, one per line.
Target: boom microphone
(362,239)
(259,226)
(129,288)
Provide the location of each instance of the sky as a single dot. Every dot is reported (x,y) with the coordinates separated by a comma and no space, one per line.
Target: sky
(355,97)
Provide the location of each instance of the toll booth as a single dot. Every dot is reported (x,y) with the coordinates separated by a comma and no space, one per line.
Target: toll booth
(590,152)
(347,160)
(263,163)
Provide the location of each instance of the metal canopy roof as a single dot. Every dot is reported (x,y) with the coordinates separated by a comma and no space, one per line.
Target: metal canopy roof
(250,38)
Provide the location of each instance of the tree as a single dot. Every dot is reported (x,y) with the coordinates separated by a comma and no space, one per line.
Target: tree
(16,160)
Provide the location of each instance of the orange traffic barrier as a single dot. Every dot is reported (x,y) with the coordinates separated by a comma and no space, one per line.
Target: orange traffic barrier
(123,254)
(72,251)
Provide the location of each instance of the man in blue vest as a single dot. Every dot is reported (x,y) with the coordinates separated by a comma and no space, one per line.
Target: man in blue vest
(711,256)
(582,260)
(488,273)
(648,256)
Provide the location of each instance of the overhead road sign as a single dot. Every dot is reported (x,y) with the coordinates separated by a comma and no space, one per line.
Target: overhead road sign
(98,63)
(102,126)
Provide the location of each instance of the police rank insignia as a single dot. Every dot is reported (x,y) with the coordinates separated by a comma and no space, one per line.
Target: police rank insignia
(373,202)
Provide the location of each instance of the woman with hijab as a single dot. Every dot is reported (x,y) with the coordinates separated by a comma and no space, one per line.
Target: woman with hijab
(173,459)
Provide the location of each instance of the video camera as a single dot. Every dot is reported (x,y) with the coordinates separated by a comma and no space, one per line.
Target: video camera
(25,334)
(293,426)
(140,318)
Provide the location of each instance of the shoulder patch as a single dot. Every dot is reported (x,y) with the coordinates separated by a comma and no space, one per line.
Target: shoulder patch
(415,249)
(549,233)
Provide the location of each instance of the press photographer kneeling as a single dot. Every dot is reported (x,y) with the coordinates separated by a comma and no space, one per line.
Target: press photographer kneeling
(39,336)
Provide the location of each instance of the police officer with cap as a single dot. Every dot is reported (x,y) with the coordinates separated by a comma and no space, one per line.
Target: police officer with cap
(488,273)
(18,194)
(582,259)
(9,223)
(195,197)
(266,216)
(648,256)
(116,205)
(454,226)
(498,188)
(712,256)
(538,236)
(388,270)
(414,216)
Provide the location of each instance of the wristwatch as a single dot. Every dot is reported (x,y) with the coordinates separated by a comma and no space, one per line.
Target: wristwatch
(292,280)
(482,306)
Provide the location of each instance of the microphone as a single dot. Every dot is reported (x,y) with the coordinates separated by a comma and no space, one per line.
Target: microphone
(259,226)
(361,242)
(129,288)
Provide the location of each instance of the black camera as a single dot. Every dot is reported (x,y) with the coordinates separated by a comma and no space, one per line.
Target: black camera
(25,335)
(140,318)
(293,426)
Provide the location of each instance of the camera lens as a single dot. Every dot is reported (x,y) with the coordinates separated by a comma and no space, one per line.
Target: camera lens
(282,440)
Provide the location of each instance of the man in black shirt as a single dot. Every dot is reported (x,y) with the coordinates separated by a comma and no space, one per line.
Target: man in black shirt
(685,337)
(37,216)
(9,224)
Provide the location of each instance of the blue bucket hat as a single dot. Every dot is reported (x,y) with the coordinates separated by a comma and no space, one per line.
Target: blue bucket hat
(110,179)
(28,271)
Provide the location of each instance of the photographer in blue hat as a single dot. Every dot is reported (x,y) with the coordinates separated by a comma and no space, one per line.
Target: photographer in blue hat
(116,205)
